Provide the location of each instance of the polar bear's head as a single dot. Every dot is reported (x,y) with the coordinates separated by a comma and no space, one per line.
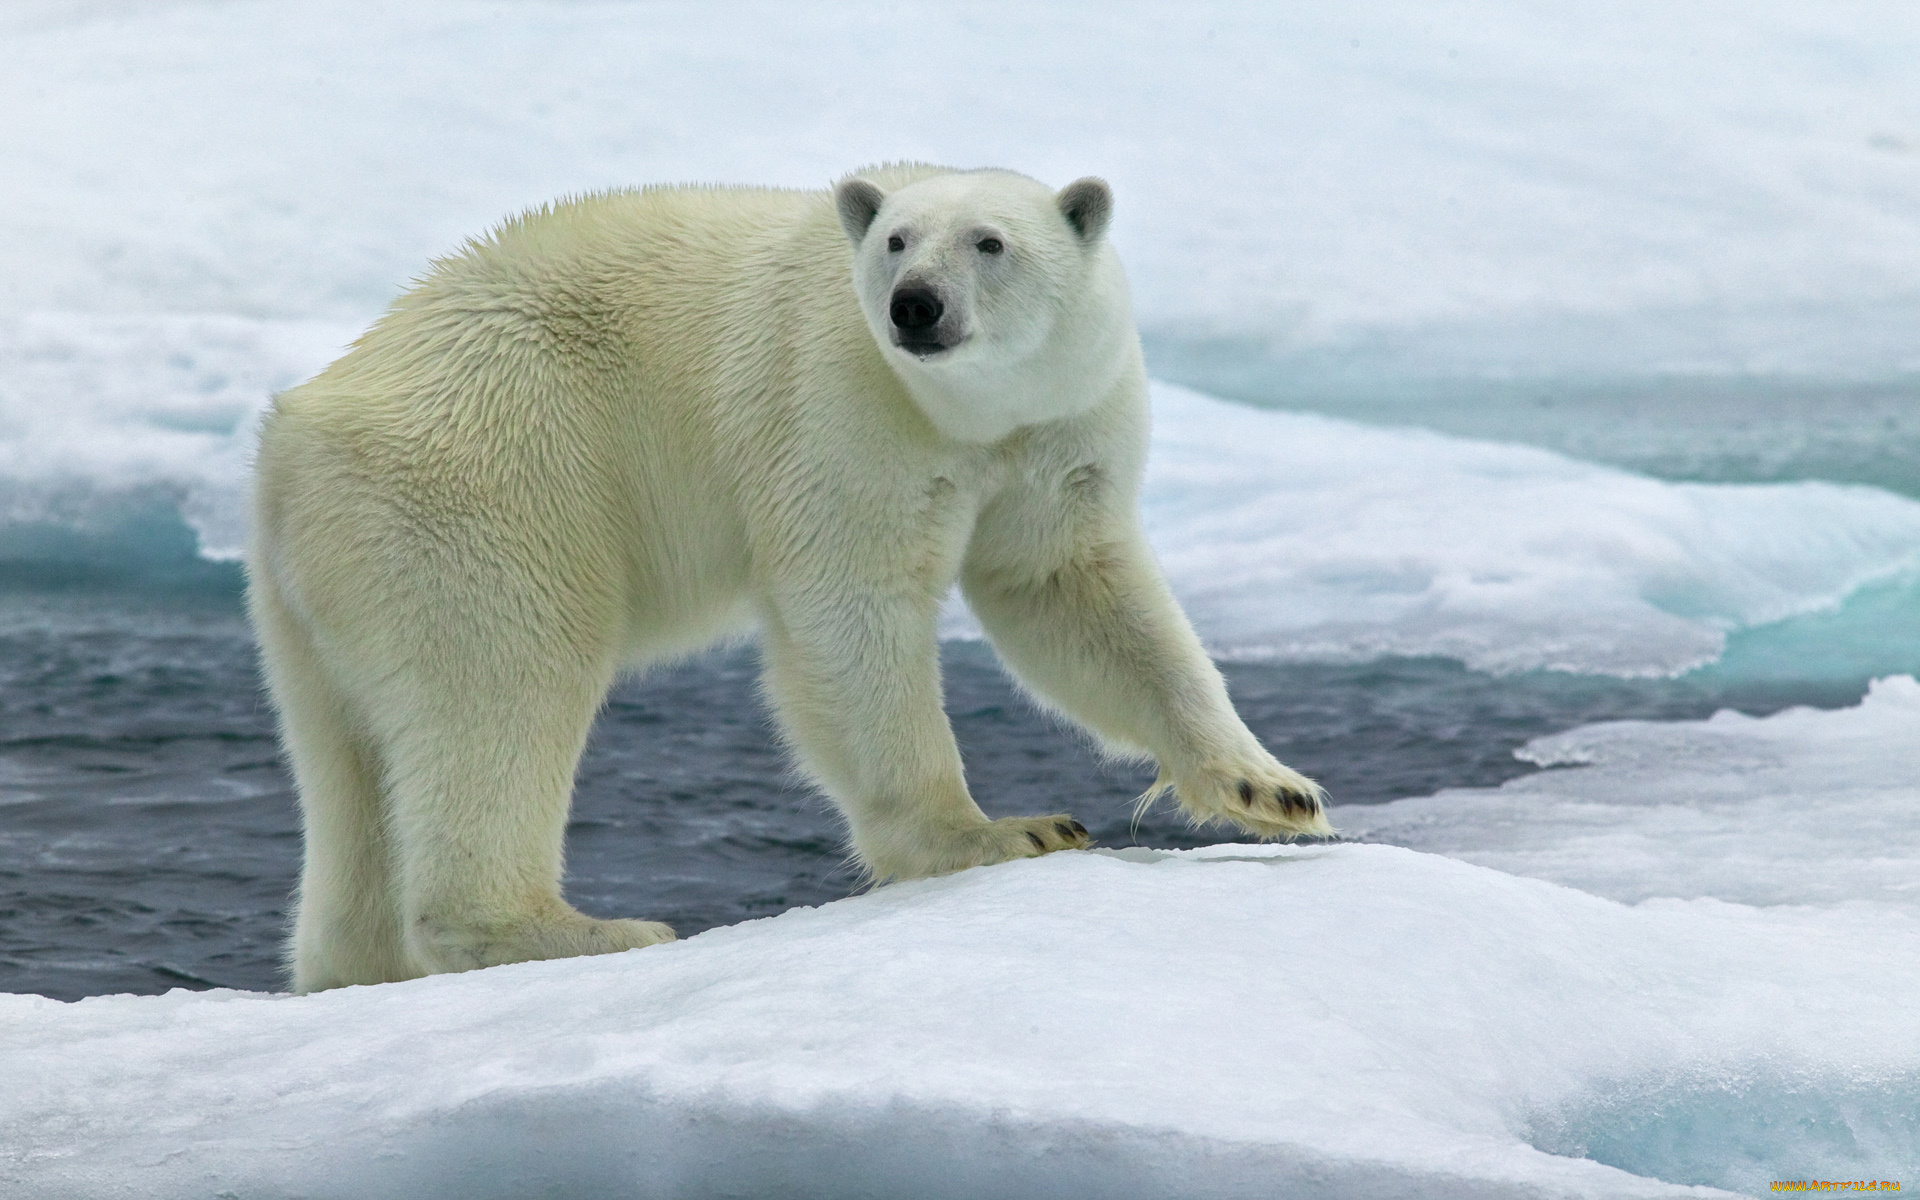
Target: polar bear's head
(997,300)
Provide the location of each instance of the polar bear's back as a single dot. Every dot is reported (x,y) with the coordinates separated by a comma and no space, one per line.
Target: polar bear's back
(562,399)
(590,284)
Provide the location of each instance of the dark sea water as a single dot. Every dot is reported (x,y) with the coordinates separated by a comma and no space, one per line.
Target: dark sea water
(149,837)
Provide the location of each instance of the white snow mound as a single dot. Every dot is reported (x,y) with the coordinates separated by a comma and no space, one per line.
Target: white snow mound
(1346,1020)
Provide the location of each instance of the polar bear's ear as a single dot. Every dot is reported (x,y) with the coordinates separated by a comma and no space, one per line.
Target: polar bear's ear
(858,200)
(1088,206)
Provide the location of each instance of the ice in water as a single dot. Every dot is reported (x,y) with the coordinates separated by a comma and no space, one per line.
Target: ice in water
(1801,807)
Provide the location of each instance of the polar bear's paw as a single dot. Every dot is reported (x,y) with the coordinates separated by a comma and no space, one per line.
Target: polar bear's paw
(1267,799)
(1030,837)
(1016,837)
(464,946)
(978,845)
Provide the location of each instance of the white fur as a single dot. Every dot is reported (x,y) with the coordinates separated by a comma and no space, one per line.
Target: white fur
(628,425)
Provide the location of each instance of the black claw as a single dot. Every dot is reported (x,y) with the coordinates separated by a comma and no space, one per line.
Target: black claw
(1035,839)
(1288,801)
(1246,793)
(1063,829)
(1079,829)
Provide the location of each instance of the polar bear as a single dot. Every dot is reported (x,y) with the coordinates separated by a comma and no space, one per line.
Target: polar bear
(624,426)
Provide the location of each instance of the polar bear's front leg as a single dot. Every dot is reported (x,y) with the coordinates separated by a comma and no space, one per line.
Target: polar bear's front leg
(1094,628)
(854,679)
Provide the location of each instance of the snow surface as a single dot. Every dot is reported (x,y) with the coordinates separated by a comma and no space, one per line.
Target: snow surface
(1350,1020)
(209,200)
(1239,1021)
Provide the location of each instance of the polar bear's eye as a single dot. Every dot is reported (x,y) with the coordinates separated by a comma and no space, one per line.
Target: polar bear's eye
(896,243)
(989,246)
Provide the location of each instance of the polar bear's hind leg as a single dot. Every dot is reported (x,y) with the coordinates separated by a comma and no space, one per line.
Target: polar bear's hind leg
(346,928)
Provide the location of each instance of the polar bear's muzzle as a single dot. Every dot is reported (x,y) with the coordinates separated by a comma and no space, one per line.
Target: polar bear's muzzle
(916,313)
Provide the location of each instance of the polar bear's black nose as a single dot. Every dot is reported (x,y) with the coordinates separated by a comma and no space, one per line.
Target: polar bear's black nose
(915,308)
